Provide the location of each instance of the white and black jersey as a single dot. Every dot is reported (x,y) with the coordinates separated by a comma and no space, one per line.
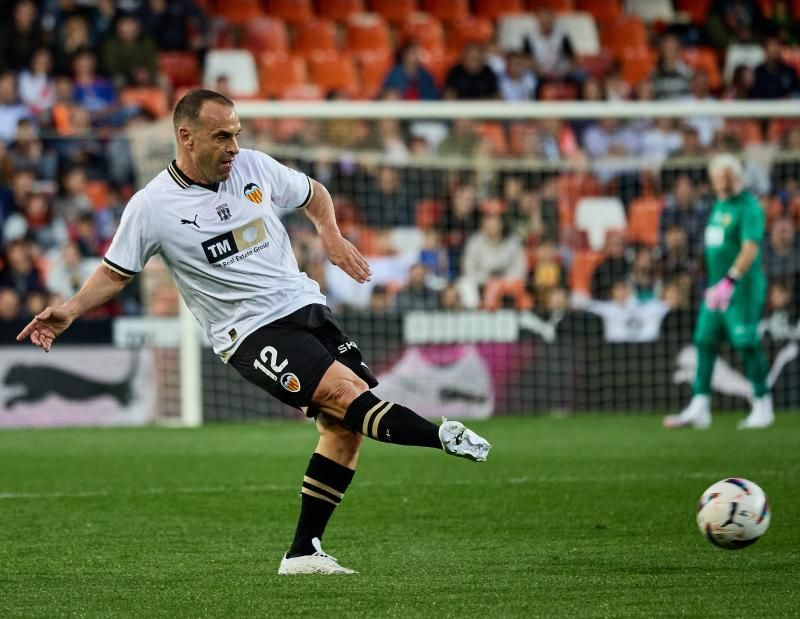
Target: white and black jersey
(227,250)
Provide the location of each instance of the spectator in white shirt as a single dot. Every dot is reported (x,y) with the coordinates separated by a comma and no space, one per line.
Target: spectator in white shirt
(36,86)
(517,82)
(550,47)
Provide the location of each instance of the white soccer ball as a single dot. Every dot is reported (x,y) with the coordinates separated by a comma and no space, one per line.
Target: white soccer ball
(733,513)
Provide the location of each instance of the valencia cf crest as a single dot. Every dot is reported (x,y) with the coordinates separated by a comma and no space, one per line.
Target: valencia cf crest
(290,382)
(253,193)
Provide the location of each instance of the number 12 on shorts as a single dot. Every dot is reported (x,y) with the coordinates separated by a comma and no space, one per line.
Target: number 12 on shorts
(270,356)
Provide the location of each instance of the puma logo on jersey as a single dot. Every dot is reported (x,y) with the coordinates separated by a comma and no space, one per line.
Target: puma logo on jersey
(191,221)
(253,193)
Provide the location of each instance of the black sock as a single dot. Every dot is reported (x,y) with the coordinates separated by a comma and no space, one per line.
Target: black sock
(323,487)
(390,423)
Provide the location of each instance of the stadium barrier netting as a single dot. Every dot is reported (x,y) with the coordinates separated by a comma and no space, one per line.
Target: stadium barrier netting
(578,295)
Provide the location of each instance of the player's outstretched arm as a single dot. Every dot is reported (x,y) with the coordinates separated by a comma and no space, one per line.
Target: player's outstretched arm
(102,286)
(339,250)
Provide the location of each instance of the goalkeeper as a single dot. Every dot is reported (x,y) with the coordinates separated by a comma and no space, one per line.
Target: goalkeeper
(733,302)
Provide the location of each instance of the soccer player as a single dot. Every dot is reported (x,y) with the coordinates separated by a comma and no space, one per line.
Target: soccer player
(732,306)
(210,217)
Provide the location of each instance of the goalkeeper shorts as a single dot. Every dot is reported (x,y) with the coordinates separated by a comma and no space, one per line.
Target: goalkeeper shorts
(288,357)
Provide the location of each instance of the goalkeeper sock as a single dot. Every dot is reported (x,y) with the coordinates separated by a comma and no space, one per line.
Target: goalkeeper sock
(323,487)
(390,423)
(755,366)
(706,357)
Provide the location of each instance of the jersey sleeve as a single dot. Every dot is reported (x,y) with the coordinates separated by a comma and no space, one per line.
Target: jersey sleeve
(288,188)
(753,221)
(135,240)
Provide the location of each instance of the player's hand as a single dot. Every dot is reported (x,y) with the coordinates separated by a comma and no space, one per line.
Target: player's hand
(718,297)
(344,254)
(46,327)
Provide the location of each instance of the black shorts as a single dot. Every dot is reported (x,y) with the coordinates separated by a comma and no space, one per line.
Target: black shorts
(288,357)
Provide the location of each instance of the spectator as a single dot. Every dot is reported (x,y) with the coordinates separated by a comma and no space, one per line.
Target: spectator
(774,79)
(175,25)
(610,137)
(10,305)
(783,22)
(93,93)
(627,319)
(613,268)
(471,78)
(490,253)
(417,294)
(550,48)
(36,86)
(435,257)
(27,152)
(85,234)
(660,140)
(780,299)
(782,254)
(409,78)
(459,221)
(37,222)
(73,38)
(706,126)
(11,109)
(386,203)
(671,75)
(450,300)
(643,281)
(684,209)
(548,274)
(734,21)
(678,265)
(462,140)
(127,50)
(19,272)
(690,160)
(517,82)
(69,271)
(73,201)
(380,303)
(20,38)
(741,85)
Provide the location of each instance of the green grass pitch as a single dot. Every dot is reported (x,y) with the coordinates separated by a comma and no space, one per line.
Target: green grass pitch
(580,517)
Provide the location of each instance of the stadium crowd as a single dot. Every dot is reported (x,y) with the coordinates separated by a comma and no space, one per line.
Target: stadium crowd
(76,78)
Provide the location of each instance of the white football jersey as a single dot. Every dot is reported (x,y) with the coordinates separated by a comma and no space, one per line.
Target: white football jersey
(225,247)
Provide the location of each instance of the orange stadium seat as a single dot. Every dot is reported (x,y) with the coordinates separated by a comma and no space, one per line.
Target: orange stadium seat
(469,30)
(560,6)
(495,134)
(151,100)
(238,11)
(339,9)
(303,92)
(704,59)
(600,9)
(573,186)
(182,68)
(623,32)
(584,262)
(334,72)
(314,35)
(492,9)
(291,11)
(637,64)
(265,34)
(368,32)
(791,56)
(425,30)
(394,11)
(279,71)
(644,216)
(373,67)
(746,131)
(446,10)
(428,213)
(697,10)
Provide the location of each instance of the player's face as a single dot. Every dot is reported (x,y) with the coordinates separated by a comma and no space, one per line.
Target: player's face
(723,181)
(214,144)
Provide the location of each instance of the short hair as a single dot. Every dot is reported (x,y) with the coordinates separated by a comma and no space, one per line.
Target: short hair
(188,108)
(726,161)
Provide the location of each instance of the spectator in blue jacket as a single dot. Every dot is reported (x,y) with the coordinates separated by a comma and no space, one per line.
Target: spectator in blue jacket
(410,78)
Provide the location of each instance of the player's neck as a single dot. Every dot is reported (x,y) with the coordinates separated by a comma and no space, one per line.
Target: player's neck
(185,165)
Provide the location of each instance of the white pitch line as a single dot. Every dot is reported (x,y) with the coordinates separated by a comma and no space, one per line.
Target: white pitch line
(267,488)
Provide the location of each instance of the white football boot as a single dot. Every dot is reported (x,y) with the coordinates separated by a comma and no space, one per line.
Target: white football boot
(761,415)
(696,415)
(458,440)
(317,563)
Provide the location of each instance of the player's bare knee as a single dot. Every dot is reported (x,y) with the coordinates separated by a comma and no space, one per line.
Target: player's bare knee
(341,393)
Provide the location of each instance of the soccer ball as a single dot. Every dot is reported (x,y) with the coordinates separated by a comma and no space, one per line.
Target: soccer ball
(733,513)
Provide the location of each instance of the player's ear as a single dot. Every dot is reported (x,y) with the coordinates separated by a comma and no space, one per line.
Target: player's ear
(185,137)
